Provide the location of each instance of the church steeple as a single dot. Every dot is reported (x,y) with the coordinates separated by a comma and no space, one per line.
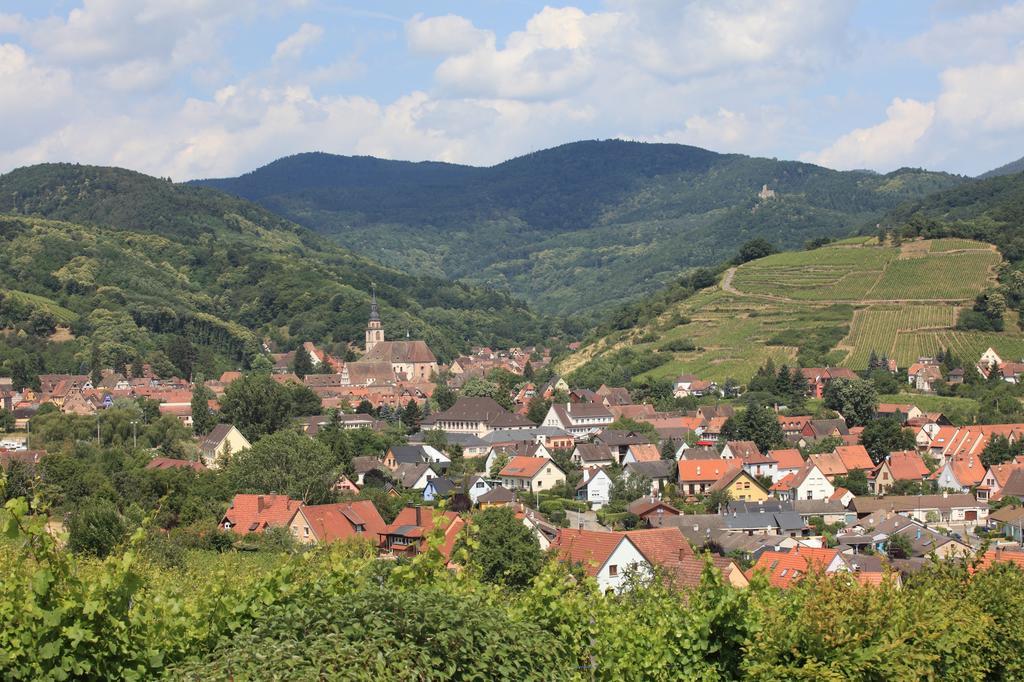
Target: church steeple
(374,329)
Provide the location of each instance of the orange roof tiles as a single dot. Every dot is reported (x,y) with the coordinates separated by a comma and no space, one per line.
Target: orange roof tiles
(524,467)
(333,522)
(254,513)
(645,452)
(907,465)
(785,568)
(788,458)
(590,548)
(830,464)
(855,457)
(994,556)
(705,470)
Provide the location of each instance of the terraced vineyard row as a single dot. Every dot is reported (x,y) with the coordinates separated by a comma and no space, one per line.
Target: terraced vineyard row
(939,276)
(953,244)
(878,328)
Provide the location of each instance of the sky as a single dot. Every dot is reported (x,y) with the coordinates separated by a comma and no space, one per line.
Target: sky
(209,88)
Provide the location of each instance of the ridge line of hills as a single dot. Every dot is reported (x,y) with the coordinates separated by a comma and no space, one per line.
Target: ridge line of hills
(578,228)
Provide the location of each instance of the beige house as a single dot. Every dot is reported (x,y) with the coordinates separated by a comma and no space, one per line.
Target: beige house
(221,443)
(531,473)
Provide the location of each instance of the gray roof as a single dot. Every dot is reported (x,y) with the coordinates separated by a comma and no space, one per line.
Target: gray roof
(214,438)
(664,468)
(696,527)
(594,452)
(819,507)
(485,410)
(508,435)
(700,453)
(497,495)
(363,464)
(742,506)
(897,503)
(409,454)
(618,437)
(441,485)
(408,474)
(466,440)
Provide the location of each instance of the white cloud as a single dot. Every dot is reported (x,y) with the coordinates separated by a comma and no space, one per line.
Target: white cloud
(986,97)
(990,36)
(297,43)
(31,95)
(884,145)
(448,34)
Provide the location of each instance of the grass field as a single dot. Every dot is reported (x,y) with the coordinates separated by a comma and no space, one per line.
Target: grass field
(60,313)
(786,301)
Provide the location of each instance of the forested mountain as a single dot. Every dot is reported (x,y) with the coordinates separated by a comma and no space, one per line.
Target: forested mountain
(990,210)
(578,227)
(136,265)
(1007,169)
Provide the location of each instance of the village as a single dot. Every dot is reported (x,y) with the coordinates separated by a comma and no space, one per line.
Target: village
(602,482)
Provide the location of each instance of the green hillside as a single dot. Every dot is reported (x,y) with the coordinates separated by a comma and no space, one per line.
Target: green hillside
(580,227)
(1006,169)
(835,304)
(133,261)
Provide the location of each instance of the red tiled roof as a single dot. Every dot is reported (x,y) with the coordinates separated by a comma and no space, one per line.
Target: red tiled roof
(524,467)
(333,522)
(787,459)
(168,463)
(994,556)
(405,524)
(705,470)
(784,568)
(254,513)
(646,452)
(855,457)
(830,464)
(590,548)
(907,465)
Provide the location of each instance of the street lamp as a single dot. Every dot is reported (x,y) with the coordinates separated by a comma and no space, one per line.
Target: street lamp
(135,438)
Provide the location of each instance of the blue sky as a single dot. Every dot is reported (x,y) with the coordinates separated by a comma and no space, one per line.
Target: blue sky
(201,88)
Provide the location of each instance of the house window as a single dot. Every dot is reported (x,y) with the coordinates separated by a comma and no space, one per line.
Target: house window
(613,571)
(305,532)
(540,483)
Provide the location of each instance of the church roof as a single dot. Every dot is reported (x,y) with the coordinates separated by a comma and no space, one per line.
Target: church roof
(400,352)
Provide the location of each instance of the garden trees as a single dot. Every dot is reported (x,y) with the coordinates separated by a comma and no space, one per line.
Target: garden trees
(257,405)
(95,527)
(203,418)
(302,364)
(885,435)
(537,409)
(504,550)
(757,423)
(855,399)
(289,463)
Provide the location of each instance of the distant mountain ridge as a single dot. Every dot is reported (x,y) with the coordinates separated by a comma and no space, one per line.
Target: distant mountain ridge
(1006,169)
(135,260)
(579,227)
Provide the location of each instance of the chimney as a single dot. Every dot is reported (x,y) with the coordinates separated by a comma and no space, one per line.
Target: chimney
(682,553)
(259,504)
(419,516)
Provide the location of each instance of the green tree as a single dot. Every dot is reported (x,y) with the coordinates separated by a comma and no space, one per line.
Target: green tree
(885,435)
(856,482)
(203,418)
(504,551)
(6,421)
(443,396)
(302,363)
(757,423)
(643,428)
(41,323)
(95,527)
(412,415)
(365,407)
(257,405)
(537,409)
(289,463)
(898,547)
(475,387)
(855,399)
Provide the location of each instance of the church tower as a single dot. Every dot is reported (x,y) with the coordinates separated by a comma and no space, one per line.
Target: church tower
(374,329)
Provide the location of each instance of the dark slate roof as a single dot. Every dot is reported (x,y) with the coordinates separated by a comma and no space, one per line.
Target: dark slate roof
(214,438)
(664,468)
(497,495)
(409,454)
(485,410)
(363,464)
(696,527)
(617,437)
(442,486)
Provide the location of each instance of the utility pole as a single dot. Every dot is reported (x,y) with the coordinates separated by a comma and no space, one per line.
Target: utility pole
(135,438)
